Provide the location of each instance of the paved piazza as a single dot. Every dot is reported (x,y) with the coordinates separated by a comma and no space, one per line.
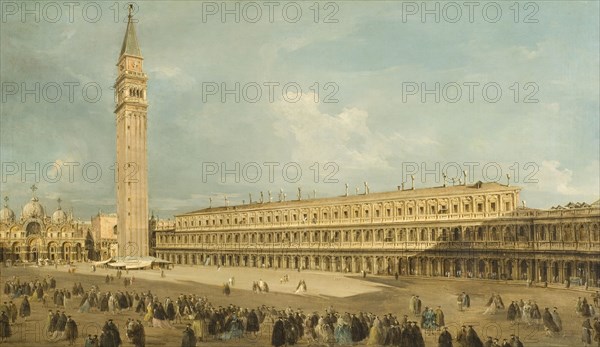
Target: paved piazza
(377,294)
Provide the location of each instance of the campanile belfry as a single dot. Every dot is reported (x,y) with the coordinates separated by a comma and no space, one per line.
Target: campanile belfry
(132,167)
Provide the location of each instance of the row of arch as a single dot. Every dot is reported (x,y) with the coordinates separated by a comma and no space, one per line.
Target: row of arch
(35,249)
(485,267)
(566,232)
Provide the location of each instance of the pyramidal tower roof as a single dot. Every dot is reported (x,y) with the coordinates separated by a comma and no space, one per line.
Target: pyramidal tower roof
(130,42)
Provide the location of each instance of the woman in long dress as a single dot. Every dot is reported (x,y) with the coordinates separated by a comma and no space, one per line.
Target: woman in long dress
(343,335)
(375,334)
(85,307)
(199,325)
(149,314)
(160,317)
(324,332)
(492,309)
(234,329)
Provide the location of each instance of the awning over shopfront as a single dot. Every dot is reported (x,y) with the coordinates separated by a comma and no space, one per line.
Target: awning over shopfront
(140,265)
(97,263)
(117,264)
(133,262)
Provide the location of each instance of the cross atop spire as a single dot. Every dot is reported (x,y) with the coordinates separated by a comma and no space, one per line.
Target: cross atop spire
(6,201)
(33,189)
(59,200)
(130,43)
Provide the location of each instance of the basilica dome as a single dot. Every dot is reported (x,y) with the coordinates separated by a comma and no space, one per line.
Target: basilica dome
(59,216)
(33,209)
(7,215)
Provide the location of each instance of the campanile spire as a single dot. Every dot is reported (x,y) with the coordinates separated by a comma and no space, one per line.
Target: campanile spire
(132,167)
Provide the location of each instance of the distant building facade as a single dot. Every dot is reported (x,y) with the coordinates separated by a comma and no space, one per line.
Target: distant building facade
(35,236)
(104,232)
(474,230)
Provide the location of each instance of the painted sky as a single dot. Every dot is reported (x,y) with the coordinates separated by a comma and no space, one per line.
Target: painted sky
(363,57)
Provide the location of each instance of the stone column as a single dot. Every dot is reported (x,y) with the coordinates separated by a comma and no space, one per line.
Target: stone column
(374,265)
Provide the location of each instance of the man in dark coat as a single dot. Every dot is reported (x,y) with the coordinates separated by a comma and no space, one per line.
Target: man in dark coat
(170,310)
(473,339)
(445,339)
(107,338)
(53,321)
(4,327)
(252,324)
(291,331)
(417,336)
(25,310)
(461,337)
(511,314)
(356,329)
(515,342)
(114,332)
(278,338)
(189,338)
(549,321)
(71,331)
(138,335)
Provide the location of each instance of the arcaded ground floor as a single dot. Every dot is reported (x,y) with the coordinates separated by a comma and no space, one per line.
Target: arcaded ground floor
(345,292)
(498,266)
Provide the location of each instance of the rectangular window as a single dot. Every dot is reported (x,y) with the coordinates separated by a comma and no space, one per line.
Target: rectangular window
(410,211)
(432,209)
(467,207)
(493,206)
(388,212)
(479,207)
(454,208)
(421,210)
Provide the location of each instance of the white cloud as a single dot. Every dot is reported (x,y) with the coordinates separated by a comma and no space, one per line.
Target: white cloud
(345,137)
(174,74)
(555,179)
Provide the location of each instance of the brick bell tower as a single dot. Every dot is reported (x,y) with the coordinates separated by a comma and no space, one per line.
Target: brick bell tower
(132,166)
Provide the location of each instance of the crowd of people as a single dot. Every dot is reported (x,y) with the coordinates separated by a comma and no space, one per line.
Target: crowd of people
(286,327)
